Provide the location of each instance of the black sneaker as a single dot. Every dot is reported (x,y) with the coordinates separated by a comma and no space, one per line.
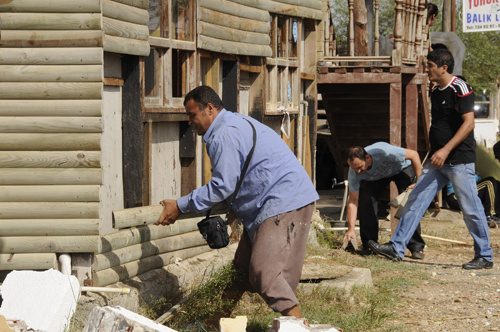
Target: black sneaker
(492,221)
(478,264)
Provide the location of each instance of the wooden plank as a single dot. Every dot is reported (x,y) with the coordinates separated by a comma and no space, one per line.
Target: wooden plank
(238,23)
(62,159)
(50,176)
(147,249)
(50,90)
(110,81)
(66,124)
(235,9)
(49,227)
(52,56)
(395,114)
(168,43)
(126,46)
(9,262)
(54,193)
(123,29)
(49,142)
(50,21)
(230,34)
(280,7)
(359,78)
(147,215)
(50,73)
(51,38)
(56,108)
(46,244)
(250,68)
(217,45)
(48,210)
(123,12)
(144,4)
(135,235)
(52,6)
(132,269)
(411,117)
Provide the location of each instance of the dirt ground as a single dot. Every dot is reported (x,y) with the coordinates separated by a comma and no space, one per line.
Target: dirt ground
(452,299)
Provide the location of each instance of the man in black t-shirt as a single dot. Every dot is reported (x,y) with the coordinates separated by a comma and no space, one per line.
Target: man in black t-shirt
(452,159)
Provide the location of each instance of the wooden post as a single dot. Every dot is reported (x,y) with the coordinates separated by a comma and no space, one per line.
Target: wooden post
(351,27)
(377,32)
(361,44)
(398,26)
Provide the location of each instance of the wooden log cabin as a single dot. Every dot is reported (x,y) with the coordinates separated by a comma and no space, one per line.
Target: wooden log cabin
(91,117)
(369,97)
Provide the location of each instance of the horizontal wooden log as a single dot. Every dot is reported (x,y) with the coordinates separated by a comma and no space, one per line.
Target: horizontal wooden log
(280,7)
(42,90)
(51,6)
(168,43)
(51,73)
(49,159)
(126,46)
(51,38)
(147,215)
(228,47)
(46,244)
(9,262)
(84,107)
(48,210)
(52,193)
(65,124)
(225,33)
(123,12)
(146,249)
(50,21)
(50,142)
(144,4)
(48,227)
(123,29)
(235,9)
(135,235)
(132,269)
(361,78)
(50,176)
(51,56)
(239,23)
(313,4)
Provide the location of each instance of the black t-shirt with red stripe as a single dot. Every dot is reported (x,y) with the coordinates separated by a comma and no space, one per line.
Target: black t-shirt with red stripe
(448,106)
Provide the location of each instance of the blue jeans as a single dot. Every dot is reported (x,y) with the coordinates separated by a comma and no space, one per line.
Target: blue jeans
(429,183)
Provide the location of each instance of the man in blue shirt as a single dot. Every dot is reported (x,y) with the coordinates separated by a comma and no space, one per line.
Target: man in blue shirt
(376,166)
(452,159)
(274,203)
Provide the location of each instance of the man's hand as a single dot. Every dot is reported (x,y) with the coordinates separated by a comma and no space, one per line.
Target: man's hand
(170,212)
(349,235)
(439,157)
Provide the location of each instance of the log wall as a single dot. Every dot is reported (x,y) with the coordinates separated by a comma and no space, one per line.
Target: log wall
(51,74)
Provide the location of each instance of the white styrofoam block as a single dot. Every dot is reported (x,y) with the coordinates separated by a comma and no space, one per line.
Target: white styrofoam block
(45,300)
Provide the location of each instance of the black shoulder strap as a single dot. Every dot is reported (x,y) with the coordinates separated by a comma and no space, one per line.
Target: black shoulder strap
(243,171)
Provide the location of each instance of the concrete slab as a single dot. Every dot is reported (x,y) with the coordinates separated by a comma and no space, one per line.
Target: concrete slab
(45,300)
(118,319)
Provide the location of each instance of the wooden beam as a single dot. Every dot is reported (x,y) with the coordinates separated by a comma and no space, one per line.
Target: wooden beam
(230,34)
(146,215)
(123,29)
(221,46)
(144,4)
(126,46)
(71,108)
(124,12)
(47,244)
(51,73)
(49,142)
(49,227)
(63,159)
(52,56)
(51,38)
(110,81)
(35,124)
(395,115)
(53,6)
(9,262)
(49,90)
(132,269)
(359,78)
(238,23)
(50,176)
(48,210)
(52,193)
(411,125)
(146,249)
(233,8)
(50,21)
